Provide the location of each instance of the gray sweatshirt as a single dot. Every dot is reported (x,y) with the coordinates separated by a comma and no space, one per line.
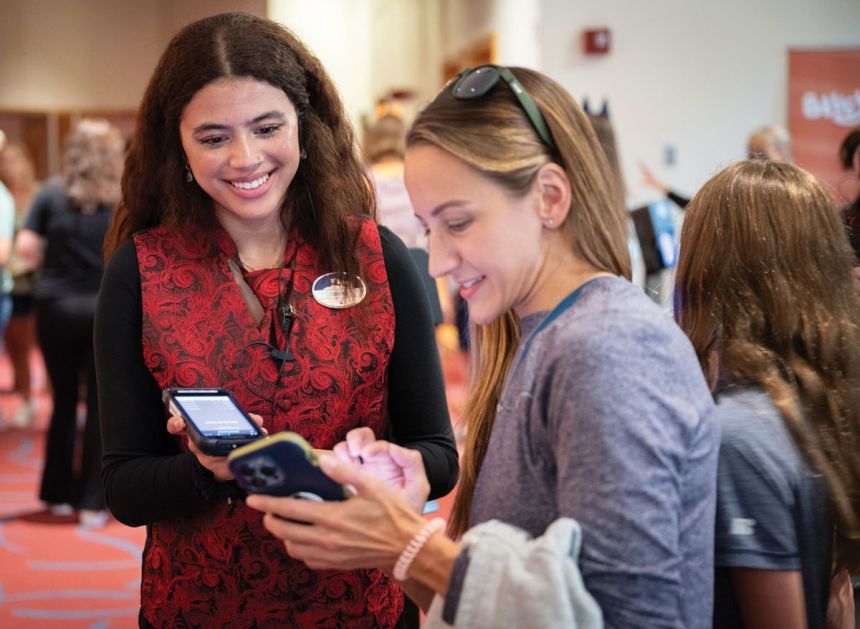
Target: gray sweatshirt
(606,419)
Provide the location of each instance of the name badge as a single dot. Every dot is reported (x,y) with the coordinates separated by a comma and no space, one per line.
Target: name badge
(339,290)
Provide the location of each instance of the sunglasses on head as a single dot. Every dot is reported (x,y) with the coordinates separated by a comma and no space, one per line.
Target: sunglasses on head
(473,83)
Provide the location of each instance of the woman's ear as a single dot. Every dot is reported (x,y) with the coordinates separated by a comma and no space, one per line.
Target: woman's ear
(553,188)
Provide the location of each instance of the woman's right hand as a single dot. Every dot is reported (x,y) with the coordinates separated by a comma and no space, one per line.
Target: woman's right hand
(369,530)
(400,468)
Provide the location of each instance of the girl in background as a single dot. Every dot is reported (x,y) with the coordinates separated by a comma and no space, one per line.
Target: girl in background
(19,175)
(766,298)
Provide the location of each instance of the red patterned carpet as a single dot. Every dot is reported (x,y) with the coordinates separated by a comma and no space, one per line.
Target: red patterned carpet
(55,573)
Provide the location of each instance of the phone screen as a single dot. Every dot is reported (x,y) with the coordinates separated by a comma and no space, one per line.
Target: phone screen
(216,416)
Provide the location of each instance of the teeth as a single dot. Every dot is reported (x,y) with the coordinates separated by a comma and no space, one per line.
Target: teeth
(250,185)
(470,283)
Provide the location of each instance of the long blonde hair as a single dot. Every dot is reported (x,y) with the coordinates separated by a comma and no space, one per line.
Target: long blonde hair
(493,135)
(764,282)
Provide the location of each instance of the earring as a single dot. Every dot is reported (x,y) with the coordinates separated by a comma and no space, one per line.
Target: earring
(549,222)
(303,154)
(188,176)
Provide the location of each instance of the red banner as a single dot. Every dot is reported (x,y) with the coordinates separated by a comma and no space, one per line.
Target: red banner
(823,107)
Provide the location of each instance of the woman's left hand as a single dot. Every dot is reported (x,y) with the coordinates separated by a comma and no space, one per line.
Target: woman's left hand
(368,530)
(215,464)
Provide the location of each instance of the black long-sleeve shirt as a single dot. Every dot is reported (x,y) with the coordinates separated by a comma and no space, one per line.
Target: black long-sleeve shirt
(148,478)
(677,199)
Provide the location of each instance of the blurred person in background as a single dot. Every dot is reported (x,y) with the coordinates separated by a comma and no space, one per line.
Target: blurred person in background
(770,142)
(63,236)
(849,158)
(767,142)
(384,146)
(19,175)
(7,227)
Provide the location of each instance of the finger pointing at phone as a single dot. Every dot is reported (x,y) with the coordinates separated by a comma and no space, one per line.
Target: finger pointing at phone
(400,468)
(369,529)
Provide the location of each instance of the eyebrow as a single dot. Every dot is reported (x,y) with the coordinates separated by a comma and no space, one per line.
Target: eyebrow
(277,115)
(441,208)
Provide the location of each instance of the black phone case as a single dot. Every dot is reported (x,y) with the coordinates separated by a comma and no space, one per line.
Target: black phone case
(283,465)
(213,446)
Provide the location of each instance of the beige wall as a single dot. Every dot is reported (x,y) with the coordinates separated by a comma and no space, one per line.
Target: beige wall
(693,75)
(89,54)
(406,53)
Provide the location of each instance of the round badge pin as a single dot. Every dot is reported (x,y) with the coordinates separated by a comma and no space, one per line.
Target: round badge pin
(339,290)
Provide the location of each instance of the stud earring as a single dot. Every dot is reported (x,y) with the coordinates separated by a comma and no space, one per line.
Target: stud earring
(303,154)
(549,222)
(189,177)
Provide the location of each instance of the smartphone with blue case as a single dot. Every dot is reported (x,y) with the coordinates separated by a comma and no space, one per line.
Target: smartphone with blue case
(283,465)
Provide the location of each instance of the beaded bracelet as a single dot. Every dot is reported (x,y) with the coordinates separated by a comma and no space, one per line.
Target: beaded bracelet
(401,567)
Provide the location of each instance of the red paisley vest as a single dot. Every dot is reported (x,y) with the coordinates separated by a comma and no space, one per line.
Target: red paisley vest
(221,568)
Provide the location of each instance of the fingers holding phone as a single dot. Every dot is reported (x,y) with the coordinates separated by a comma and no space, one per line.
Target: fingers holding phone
(215,464)
(213,423)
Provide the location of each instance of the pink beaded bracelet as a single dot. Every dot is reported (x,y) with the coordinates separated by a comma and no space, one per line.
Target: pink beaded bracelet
(401,567)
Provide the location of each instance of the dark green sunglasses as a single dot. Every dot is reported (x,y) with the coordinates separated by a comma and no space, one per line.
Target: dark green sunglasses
(475,82)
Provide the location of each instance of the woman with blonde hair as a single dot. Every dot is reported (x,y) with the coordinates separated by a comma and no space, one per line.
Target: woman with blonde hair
(766,298)
(63,236)
(587,416)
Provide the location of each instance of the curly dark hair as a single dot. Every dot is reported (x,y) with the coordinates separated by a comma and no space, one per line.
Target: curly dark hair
(330,185)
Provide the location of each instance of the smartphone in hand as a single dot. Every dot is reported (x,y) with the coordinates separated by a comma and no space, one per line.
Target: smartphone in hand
(215,421)
(283,465)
